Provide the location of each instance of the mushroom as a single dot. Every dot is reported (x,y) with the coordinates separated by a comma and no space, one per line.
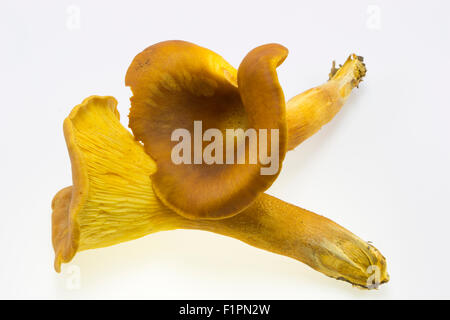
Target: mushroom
(112,200)
(177,83)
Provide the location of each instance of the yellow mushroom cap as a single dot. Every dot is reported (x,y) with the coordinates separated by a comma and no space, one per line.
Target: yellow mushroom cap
(175,83)
(111,176)
(65,231)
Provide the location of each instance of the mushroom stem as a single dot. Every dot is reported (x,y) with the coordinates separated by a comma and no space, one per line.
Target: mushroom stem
(274,225)
(307,112)
(269,224)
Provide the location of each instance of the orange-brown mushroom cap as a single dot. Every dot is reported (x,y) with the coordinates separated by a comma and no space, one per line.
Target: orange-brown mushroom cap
(175,83)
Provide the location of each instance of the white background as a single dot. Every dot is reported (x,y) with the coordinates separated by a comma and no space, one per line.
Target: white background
(380,168)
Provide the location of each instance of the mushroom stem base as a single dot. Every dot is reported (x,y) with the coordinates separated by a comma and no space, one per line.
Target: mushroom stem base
(307,112)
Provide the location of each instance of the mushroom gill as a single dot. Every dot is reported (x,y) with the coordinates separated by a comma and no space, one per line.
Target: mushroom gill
(112,201)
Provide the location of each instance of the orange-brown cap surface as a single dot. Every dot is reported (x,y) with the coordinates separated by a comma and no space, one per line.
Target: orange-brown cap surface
(175,83)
